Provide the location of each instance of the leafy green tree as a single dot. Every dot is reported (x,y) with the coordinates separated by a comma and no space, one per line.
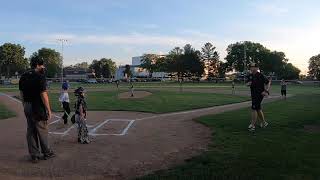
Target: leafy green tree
(127,71)
(83,65)
(176,51)
(111,64)
(162,64)
(52,59)
(269,61)
(188,49)
(185,62)
(222,69)
(175,61)
(210,57)
(193,64)
(12,59)
(290,72)
(314,67)
(149,63)
(236,55)
(273,62)
(103,67)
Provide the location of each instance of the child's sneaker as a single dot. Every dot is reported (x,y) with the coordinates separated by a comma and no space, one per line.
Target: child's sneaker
(251,128)
(264,125)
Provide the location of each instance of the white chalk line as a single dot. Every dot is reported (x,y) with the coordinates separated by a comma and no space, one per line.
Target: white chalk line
(124,132)
(100,125)
(69,129)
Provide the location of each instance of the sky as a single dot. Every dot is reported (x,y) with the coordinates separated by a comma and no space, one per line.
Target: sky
(121,29)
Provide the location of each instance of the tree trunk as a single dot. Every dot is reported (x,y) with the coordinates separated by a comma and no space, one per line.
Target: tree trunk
(8,71)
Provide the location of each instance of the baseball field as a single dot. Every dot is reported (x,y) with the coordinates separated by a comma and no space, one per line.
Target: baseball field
(168,131)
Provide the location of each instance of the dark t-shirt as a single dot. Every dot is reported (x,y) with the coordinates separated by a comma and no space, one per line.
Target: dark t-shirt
(258,81)
(283,87)
(32,84)
(81,102)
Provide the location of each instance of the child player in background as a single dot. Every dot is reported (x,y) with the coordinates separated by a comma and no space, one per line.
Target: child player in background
(65,102)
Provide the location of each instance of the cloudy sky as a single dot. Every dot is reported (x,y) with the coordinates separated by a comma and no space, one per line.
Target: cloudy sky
(120,29)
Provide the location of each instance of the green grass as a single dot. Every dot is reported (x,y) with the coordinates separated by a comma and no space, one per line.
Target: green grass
(5,113)
(158,102)
(292,89)
(282,151)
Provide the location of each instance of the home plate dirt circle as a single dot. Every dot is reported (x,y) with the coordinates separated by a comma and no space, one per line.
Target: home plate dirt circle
(137,95)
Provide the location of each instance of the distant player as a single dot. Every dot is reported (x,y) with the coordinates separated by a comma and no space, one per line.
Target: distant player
(233,88)
(117,83)
(283,89)
(259,86)
(131,89)
(180,83)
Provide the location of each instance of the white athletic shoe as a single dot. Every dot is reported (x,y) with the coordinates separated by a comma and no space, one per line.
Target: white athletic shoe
(251,128)
(264,125)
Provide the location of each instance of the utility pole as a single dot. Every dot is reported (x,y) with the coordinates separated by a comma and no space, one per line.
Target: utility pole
(62,41)
(244,61)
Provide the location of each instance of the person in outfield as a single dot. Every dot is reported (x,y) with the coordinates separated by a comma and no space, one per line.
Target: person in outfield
(131,89)
(283,89)
(81,115)
(259,86)
(35,100)
(233,88)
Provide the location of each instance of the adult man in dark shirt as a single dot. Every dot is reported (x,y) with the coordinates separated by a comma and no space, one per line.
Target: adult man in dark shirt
(33,92)
(257,83)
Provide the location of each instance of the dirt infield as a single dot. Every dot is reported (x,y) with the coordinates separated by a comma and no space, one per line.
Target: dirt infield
(137,95)
(124,144)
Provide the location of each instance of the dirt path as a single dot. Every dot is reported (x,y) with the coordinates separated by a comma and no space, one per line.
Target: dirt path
(153,142)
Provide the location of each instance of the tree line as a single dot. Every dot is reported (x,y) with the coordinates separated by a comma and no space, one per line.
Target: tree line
(184,62)
(189,62)
(13,60)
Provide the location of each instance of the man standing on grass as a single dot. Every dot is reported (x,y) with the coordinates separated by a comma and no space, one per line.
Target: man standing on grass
(34,95)
(259,86)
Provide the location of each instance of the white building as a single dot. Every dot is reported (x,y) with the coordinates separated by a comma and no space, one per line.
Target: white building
(137,71)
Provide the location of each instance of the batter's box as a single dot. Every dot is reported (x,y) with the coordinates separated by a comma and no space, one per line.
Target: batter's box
(59,127)
(112,127)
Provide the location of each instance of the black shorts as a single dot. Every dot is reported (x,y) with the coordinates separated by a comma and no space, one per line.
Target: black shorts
(283,92)
(256,102)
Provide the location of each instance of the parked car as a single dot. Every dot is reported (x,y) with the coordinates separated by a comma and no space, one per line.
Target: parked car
(133,80)
(91,81)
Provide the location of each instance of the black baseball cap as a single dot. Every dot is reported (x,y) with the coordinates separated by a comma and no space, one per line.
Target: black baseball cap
(79,90)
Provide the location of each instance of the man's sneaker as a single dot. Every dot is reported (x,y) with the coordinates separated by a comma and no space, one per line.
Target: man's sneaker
(251,128)
(34,159)
(264,125)
(49,155)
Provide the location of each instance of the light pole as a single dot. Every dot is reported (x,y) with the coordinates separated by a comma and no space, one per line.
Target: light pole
(244,60)
(62,41)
